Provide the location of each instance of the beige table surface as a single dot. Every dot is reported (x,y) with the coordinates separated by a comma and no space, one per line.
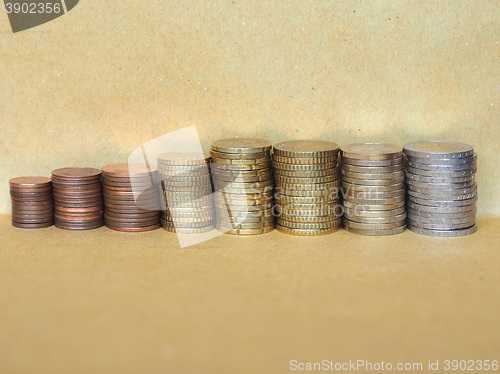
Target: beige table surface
(109,302)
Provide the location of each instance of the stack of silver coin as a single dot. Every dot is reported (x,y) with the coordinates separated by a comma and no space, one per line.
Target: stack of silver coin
(373,188)
(441,188)
(307,187)
(244,185)
(188,206)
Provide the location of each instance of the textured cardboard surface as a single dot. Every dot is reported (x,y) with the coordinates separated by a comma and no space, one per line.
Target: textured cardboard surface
(89,87)
(103,301)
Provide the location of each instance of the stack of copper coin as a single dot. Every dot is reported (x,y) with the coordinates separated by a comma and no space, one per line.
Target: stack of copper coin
(307,187)
(187,192)
(78,201)
(441,188)
(373,188)
(32,205)
(131,198)
(244,185)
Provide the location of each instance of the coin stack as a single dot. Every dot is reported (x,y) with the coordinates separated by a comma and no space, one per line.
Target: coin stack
(373,188)
(187,191)
(131,199)
(244,185)
(32,205)
(307,187)
(78,201)
(441,188)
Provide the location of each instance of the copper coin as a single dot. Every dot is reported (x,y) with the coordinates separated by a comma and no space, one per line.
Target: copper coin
(127,170)
(30,182)
(78,173)
(114,215)
(30,194)
(32,225)
(79,226)
(134,229)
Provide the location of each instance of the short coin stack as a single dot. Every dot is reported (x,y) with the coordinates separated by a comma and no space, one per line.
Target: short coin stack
(441,188)
(187,192)
(307,187)
(78,201)
(243,181)
(373,188)
(131,198)
(32,205)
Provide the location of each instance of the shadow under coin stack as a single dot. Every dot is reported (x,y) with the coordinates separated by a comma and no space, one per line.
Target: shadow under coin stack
(131,199)
(187,193)
(307,187)
(78,201)
(243,181)
(441,188)
(32,204)
(373,188)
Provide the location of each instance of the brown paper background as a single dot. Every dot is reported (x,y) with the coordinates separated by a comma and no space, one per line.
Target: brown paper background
(94,84)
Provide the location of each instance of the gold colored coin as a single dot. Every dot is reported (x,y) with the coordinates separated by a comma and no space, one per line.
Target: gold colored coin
(241,145)
(371,151)
(306,148)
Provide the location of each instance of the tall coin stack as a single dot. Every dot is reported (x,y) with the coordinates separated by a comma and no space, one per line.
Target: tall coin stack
(32,204)
(78,201)
(307,187)
(441,187)
(244,185)
(131,199)
(373,188)
(187,192)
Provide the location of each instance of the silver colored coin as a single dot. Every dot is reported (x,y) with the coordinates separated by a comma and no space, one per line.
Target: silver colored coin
(443,233)
(372,163)
(444,161)
(181,159)
(358,187)
(373,207)
(376,220)
(373,182)
(190,231)
(190,185)
(442,216)
(371,232)
(187,174)
(442,209)
(371,176)
(451,191)
(439,179)
(373,213)
(373,226)
(363,201)
(374,195)
(438,149)
(441,174)
(191,214)
(448,221)
(371,151)
(439,186)
(200,189)
(435,226)
(441,197)
(372,169)
(185,225)
(431,167)
(442,203)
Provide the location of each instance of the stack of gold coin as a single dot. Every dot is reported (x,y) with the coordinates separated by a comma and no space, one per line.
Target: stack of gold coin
(307,187)
(131,200)
(441,188)
(373,188)
(244,185)
(187,192)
